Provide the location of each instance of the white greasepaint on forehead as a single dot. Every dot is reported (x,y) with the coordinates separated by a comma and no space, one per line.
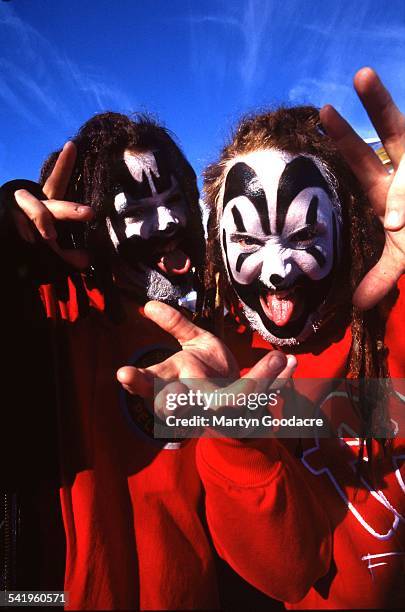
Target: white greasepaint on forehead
(269,164)
(137,163)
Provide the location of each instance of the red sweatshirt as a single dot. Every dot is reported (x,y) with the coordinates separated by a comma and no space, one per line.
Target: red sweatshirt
(304,530)
(131,507)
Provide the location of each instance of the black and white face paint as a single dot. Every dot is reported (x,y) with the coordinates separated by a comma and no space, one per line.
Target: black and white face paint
(280,235)
(147,225)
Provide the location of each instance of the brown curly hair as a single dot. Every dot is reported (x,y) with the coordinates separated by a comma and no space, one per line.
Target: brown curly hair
(298,130)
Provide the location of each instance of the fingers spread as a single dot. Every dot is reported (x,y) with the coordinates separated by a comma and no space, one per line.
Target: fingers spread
(370,172)
(37,212)
(388,121)
(57,182)
(172,321)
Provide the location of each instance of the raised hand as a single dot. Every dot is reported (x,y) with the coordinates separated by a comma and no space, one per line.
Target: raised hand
(34,216)
(386,192)
(203,356)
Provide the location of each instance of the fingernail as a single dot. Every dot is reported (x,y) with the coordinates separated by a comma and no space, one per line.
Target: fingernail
(292,361)
(277,361)
(393,219)
(81,210)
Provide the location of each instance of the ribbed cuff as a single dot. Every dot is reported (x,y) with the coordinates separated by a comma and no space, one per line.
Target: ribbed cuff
(247,463)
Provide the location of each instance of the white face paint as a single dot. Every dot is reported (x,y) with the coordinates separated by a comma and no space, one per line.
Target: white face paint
(164,211)
(280,236)
(149,219)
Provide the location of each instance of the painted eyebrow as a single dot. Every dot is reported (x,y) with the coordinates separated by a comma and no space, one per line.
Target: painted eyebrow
(242,180)
(298,174)
(237,219)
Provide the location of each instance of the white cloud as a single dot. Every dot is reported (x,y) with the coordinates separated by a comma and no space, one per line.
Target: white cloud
(320,92)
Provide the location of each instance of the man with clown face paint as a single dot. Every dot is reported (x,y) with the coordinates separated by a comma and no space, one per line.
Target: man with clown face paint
(120,224)
(308,228)
(280,235)
(148,225)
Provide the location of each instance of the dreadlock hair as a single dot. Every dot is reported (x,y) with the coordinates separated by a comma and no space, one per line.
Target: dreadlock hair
(298,130)
(100,144)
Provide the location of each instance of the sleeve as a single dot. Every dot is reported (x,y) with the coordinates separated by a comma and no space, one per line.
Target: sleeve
(27,412)
(264,519)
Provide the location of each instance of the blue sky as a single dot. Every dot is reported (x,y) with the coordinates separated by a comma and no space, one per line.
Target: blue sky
(196,64)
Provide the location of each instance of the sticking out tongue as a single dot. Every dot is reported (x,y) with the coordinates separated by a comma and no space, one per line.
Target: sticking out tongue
(279,309)
(176,262)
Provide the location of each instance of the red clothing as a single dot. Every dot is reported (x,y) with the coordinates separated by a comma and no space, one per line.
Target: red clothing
(131,509)
(303,530)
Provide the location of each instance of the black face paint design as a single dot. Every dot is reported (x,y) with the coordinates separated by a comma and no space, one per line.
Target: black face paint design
(242,180)
(280,239)
(299,174)
(157,180)
(148,222)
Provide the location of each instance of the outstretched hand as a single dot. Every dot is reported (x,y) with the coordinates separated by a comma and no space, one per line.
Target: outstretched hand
(203,356)
(385,191)
(35,217)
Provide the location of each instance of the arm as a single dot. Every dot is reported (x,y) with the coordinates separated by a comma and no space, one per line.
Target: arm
(264,519)
(255,490)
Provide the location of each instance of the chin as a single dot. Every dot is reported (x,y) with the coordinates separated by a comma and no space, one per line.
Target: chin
(310,327)
(160,287)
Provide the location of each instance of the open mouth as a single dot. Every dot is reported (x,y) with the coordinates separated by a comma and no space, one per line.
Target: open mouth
(166,253)
(172,260)
(281,307)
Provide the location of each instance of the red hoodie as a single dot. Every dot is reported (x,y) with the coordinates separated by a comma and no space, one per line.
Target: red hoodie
(132,507)
(303,529)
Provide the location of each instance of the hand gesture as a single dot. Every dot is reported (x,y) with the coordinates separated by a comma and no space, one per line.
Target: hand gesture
(202,356)
(385,191)
(35,217)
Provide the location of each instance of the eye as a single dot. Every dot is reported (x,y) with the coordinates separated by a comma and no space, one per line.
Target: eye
(246,241)
(305,235)
(176,198)
(136,213)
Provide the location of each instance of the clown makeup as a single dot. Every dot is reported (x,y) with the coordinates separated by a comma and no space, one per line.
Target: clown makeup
(148,221)
(280,236)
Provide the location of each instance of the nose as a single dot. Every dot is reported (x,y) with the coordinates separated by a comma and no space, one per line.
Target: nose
(276,280)
(165,221)
(276,265)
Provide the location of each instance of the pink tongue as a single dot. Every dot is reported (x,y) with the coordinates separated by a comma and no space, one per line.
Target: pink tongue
(176,262)
(280,310)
